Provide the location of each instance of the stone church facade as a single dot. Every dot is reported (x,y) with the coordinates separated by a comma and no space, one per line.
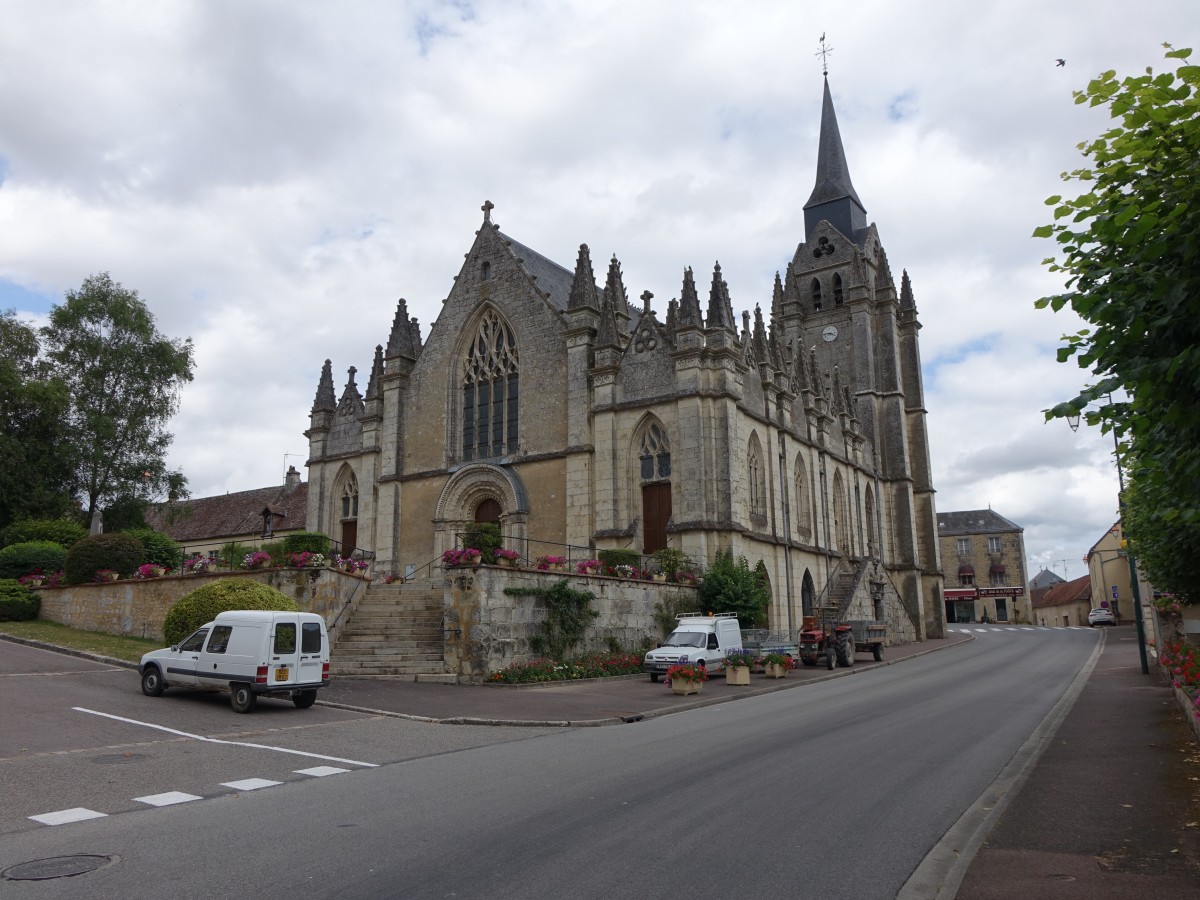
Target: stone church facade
(572,415)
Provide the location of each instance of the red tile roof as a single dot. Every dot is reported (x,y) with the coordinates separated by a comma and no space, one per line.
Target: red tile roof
(1077,591)
(231,515)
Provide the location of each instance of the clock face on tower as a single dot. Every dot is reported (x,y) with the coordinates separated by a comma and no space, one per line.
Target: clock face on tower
(830,333)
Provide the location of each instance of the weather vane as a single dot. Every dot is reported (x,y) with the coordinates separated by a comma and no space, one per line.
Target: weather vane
(824,54)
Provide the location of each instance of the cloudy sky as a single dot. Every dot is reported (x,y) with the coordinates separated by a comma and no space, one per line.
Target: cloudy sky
(272,176)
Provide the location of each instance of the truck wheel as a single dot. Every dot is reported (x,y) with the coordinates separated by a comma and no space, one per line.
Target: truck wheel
(877,652)
(829,658)
(845,649)
(241,698)
(304,699)
(152,683)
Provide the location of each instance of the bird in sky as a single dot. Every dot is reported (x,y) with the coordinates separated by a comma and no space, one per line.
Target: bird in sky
(1060,62)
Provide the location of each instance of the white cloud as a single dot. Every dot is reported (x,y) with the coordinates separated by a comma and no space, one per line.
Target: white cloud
(272,177)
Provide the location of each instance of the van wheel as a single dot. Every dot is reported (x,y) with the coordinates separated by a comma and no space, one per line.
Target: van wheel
(654,677)
(241,698)
(304,699)
(152,683)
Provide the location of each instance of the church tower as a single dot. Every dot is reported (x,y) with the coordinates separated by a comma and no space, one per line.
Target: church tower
(844,307)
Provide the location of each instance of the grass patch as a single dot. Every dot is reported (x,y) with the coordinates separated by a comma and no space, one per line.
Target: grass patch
(114,645)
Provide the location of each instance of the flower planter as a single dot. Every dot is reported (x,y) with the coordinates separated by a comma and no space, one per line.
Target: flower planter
(505,561)
(775,671)
(660,577)
(107,576)
(737,674)
(683,688)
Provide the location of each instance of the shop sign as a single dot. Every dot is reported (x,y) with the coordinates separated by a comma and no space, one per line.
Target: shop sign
(1002,592)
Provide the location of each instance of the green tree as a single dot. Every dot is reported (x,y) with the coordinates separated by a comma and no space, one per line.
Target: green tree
(1129,248)
(123,380)
(37,473)
(731,586)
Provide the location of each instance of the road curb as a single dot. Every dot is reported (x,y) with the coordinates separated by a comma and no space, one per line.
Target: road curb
(941,872)
(68,651)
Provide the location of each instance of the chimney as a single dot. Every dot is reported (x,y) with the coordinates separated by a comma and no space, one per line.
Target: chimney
(292,478)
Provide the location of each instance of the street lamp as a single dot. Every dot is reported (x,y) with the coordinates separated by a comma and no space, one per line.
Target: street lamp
(1073,421)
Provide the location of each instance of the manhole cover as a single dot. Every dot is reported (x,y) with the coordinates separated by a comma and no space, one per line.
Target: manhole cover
(56,867)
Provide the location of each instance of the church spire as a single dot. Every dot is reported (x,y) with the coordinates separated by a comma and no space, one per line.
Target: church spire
(325,399)
(833,198)
(689,302)
(583,285)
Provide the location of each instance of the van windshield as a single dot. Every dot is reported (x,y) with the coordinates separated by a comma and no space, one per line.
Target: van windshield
(686,639)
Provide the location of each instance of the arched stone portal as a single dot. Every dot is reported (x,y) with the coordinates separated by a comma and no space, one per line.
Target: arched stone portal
(481,489)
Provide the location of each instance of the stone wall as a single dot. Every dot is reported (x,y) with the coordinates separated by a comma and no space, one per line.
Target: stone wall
(487,629)
(138,607)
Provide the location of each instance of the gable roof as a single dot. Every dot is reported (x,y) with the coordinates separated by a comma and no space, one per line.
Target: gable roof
(974,521)
(1046,579)
(551,277)
(1079,590)
(231,515)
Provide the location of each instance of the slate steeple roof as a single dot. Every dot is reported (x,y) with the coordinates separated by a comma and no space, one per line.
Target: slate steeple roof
(833,198)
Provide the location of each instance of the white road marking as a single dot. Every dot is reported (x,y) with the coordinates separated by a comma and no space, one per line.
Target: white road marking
(199,737)
(250,784)
(170,798)
(63,816)
(321,771)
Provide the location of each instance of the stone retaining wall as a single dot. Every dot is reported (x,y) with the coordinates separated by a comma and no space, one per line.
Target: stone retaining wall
(487,629)
(137,607)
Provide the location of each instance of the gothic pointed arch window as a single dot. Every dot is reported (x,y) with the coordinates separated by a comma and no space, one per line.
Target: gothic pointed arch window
(815,290)
(872,544)
(490,390)
(653,449)
(837,289)
(758,481)
(803,502)
(841,518)
(348,509)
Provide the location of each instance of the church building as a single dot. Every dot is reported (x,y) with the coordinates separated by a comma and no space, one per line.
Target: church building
(572,415)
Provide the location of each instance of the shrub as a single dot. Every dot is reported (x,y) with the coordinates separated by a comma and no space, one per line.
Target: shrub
(21,559)
(63,532)
(298,542)
(276,550)
(202,605)
(122,553)
(232,554)
(484,537)
(17,602)
(160,550)
(733,587)
(671,561)
(622,557)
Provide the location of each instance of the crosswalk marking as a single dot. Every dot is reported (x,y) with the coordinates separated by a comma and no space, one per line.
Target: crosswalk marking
(170,798)
(250,784)
(321,771)
(63,816)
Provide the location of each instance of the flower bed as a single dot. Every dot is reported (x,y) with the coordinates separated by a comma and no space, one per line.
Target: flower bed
(593,665)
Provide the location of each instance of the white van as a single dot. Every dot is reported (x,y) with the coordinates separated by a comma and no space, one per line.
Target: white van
(698,639)
(249,653)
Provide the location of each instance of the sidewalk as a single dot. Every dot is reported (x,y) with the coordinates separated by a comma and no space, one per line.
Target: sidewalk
(1112,807)
(602,701)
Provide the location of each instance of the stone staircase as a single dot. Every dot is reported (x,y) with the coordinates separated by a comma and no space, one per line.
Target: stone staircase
(396,631)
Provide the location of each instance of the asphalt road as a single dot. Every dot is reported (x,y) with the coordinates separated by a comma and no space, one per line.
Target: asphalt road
(836,789)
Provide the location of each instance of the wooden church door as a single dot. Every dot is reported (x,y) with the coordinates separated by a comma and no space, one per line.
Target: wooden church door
(656,512)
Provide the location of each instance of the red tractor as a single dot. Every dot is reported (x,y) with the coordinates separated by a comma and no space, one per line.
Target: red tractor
(826,638)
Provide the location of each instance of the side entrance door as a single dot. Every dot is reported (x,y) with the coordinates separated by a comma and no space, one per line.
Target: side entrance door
(656,513)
